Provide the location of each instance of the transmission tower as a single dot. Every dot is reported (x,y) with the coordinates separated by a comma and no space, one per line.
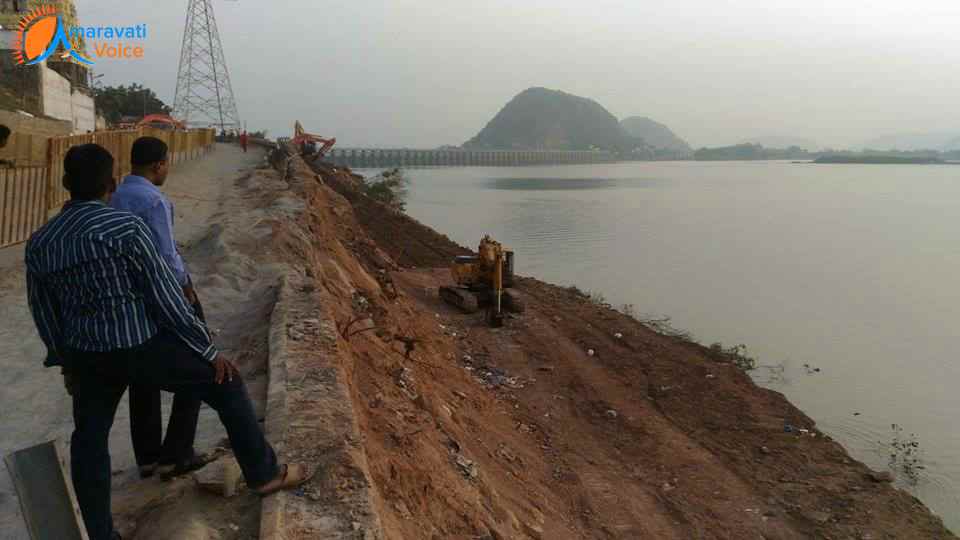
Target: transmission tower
(204,95)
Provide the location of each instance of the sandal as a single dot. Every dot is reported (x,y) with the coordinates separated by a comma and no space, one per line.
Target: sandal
(293,475)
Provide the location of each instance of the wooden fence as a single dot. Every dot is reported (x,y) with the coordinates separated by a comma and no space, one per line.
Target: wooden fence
(26,150)
(23,203)
(28,194)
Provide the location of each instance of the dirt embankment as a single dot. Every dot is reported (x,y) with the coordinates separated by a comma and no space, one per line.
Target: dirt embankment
(472,433)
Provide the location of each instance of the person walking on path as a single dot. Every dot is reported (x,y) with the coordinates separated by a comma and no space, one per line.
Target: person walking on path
(4,138)
(104,301)
(140,194)
(244,140)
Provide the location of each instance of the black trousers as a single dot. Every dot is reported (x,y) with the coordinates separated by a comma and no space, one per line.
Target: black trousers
(146,423)
(99,381)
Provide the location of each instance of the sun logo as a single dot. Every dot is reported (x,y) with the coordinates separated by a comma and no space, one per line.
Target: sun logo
(39,35)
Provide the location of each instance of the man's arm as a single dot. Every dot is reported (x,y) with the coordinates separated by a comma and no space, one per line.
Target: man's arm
(46,316)
(164,296)
(160,220)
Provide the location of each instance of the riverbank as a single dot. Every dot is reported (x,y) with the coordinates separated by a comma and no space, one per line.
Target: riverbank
(879,160)
(425,423)
(456,430)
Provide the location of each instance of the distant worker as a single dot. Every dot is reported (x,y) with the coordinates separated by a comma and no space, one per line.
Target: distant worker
(140,195)
(244,139)
(105,302)
(4,138)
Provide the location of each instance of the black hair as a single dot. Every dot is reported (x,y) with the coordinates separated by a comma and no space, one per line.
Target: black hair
(147,151)
(88,172)
(4,132)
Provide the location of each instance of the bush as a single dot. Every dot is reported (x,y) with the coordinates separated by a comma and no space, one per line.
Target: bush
(737,355)
(388,187)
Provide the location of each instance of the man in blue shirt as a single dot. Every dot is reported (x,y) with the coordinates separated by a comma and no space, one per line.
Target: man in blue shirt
(140,195)
(106,303)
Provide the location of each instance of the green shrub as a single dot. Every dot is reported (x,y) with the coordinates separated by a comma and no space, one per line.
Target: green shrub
(389,187)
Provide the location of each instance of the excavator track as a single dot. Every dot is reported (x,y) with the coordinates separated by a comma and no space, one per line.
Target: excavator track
(460,298)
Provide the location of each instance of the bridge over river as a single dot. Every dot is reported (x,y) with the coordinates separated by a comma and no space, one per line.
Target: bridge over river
(359,158)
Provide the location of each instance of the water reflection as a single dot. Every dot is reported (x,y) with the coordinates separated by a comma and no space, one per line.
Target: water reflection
(551,184)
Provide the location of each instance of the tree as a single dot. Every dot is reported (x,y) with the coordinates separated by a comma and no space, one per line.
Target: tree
(115,102)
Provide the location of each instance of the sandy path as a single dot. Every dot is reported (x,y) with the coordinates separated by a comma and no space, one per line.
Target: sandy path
(33,405)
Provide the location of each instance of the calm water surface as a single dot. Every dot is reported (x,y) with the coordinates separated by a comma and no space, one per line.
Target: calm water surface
(852,269)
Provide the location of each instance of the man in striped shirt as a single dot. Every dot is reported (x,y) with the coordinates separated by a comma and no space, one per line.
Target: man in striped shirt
(107,305)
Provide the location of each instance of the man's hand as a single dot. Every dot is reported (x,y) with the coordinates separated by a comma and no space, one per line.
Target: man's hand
(190,294)
(226,371)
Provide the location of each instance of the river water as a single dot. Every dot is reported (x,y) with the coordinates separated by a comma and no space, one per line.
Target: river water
(852,270)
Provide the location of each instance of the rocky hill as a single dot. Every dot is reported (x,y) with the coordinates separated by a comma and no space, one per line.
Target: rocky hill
(539,118)
(654,134)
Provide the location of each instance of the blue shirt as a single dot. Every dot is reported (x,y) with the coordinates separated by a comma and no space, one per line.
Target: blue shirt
(140,197)
(96,282)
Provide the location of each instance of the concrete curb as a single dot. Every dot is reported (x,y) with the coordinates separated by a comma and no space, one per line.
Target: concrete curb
(275,419)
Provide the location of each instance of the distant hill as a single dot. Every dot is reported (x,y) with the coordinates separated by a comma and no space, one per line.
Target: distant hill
(539,118)
(779,141)
(654,134)
(916,141)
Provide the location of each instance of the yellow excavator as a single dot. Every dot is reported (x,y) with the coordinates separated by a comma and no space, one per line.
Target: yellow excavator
(482,280)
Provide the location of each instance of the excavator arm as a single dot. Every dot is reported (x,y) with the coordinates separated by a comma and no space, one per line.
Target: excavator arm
(301,138)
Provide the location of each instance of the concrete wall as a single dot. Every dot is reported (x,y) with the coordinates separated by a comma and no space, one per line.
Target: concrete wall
(55,94)
(21,123)
(62,102)
(84,113)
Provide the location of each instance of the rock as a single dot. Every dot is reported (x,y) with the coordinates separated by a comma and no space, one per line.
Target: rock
(764,450)
(402,510)
(880,477)
(221,477)
(467,468)
(533,530)
(591,352)
(295,335)
(818,516)
(612,413)
(618,335)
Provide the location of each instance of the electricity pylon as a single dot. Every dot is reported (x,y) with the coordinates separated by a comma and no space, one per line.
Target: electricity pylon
(204,95)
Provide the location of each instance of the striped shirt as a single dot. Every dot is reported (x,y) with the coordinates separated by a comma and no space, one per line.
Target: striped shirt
(96,282)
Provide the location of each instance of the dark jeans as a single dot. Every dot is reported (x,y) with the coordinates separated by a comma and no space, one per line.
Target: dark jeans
(99,380)
(146,423)
(146,427)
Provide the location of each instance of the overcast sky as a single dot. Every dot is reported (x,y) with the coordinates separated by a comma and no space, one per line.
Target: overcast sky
(421,73)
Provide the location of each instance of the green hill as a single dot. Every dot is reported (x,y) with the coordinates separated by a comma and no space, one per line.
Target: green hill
(654,134)
(539,118)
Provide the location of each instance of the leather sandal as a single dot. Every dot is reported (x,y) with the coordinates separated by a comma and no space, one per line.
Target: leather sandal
(293,475)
